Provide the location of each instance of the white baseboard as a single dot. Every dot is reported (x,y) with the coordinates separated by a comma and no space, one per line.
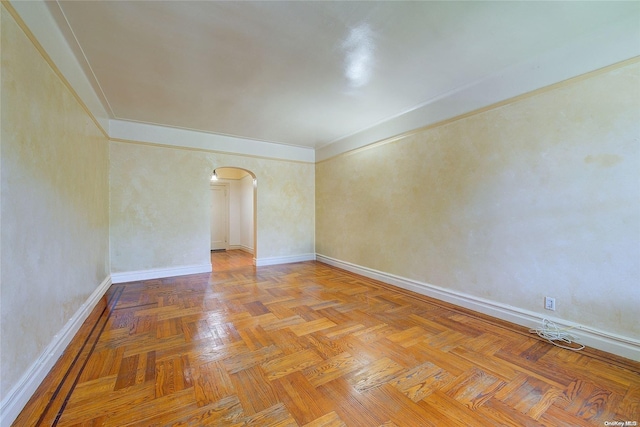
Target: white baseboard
(159,273)
(591,337)
(20,394)
(241,248)
(247,249)
(260,262)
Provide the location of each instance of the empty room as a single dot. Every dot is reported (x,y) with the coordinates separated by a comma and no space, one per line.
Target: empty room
(320,213)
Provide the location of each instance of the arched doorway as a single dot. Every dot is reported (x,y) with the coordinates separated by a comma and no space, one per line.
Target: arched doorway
(233,210)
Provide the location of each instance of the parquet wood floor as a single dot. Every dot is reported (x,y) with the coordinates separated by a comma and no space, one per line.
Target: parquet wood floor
(310,345)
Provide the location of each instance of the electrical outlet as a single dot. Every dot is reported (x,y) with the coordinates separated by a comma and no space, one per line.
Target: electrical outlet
(550,303)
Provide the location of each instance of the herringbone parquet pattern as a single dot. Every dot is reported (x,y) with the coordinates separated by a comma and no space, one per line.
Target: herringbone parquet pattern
(310,345)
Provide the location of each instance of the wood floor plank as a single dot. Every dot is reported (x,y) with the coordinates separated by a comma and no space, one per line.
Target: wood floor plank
(301,398)
(110,404)
(211,383)
(312,326)
(323,345)
(487,363)
(238,362)
(408,337)
(331,369)
(591,402)
(93,389)
(375,374)
(328,420)
(532,397)
(128,371)
(630,405)
(306,344)
(254,390)
(275,416)
(347,406)
(411,415)
(500,414)
(276,368)
(280,323)
(422,380)
(553,416)
(172,375)
(149,410)
(225,412)
(473,388)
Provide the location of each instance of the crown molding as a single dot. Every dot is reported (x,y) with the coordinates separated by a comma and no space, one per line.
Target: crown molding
(192,139)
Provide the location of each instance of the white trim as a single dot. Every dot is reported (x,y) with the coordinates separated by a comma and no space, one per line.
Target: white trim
(188,138)
(159,273)
(260,262)
(602,340)
(247,249)
(241,248)
(20,394)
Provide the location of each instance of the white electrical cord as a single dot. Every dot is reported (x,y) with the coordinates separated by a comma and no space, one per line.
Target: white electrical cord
(552,333)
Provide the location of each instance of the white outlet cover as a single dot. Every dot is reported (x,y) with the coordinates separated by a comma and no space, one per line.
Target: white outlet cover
(550,303)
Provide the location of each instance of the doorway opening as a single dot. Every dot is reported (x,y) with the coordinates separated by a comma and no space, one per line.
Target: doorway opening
(233,211)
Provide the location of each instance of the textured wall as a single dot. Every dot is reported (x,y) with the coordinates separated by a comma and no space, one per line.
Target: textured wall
(246,212)
(159,206)
(537,197)
(55,241)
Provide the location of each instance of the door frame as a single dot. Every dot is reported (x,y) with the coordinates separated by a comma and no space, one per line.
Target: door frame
(225,186)
(255,205)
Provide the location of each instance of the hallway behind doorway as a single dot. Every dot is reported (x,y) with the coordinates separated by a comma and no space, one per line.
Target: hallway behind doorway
(230,260)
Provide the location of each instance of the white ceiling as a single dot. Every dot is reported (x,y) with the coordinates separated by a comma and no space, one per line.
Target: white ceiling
(307,73)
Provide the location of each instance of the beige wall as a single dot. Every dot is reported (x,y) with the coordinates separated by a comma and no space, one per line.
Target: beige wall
(55,241)
(159,206)
(246,213)
(536,198)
